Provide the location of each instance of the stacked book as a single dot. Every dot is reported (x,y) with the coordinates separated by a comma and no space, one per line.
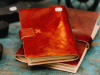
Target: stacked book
(56,37)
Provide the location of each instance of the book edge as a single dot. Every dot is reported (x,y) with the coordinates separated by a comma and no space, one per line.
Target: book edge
(95,30)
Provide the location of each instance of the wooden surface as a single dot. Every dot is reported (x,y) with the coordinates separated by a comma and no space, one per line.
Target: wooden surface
(10,66)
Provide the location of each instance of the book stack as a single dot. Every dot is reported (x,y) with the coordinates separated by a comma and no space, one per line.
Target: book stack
(56,37)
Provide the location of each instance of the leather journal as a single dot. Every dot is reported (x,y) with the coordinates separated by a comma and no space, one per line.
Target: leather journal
(84,27)
(47,36)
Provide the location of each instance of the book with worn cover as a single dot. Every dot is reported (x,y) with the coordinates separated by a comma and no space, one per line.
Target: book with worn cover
(84,28)
(47,36)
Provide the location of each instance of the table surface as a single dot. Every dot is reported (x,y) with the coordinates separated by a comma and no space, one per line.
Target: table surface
(10,66)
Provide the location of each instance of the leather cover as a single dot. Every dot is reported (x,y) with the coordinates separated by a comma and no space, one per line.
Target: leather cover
(52,34)
(83,25)
(81,48)
(82,22)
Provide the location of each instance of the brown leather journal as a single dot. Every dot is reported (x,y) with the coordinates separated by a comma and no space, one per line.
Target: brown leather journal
(47,36)
(84,28)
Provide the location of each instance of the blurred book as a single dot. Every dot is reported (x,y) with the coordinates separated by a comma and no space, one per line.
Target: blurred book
(47,36)
(84,26)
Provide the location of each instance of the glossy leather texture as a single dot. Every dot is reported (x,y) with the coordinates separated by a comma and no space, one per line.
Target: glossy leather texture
(52,32)
(80,45)
(81,29)
(82,23)
(81,48)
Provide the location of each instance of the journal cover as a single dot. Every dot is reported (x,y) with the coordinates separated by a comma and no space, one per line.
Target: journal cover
(47,36)
(84,28)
